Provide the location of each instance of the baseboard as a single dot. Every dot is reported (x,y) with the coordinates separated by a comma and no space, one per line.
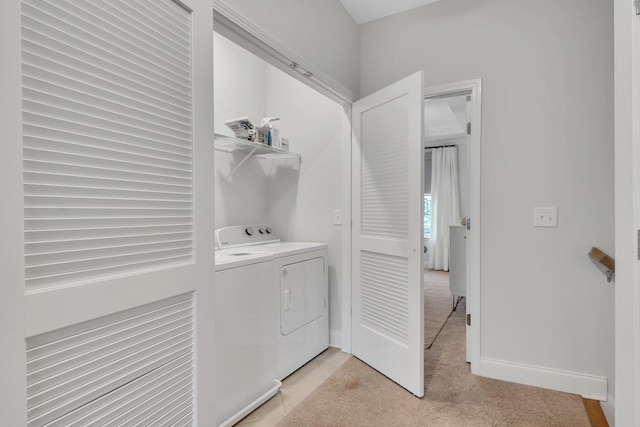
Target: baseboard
(335,338)
(588,386)
(609,409)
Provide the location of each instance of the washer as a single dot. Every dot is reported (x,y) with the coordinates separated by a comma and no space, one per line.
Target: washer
(246,352)
(300,272)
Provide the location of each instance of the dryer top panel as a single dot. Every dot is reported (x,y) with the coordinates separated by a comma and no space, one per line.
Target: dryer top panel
(282,249)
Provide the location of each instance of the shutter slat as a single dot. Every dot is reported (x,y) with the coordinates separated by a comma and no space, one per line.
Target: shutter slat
(60,404)
(104,135)
(63,36)
(94,27)
(36,180)
(106,271)
(67,202)
(75,96)
(92,365)
(102,409)
(55,157)
(159,406)
(118,225)
(105,173)
(156,42)
(64,147)
(105,367)
(39,113)
(79,235)
(88,244)
(176,385)
(80,341)
(56,67)
(107,261)
(58,50)
(72,257)
(144,18)
(104,193)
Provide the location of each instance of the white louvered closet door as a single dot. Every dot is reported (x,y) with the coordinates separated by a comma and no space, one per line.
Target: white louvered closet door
(116,132)
(387,292)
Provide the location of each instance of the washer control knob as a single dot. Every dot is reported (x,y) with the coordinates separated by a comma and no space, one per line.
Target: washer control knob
(261,230)
(267,230)
(249,231)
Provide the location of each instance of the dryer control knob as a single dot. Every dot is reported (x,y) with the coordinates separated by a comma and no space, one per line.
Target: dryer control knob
(261,230)
(249,231)
(268,230)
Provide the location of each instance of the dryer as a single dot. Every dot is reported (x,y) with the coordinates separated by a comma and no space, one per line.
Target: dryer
(300,270)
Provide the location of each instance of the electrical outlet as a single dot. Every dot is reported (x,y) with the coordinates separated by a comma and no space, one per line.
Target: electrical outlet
(545,217)
(337,217)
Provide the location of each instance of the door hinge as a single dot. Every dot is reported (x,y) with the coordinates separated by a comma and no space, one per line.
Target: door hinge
(636,5)
(469,319)
(469,123)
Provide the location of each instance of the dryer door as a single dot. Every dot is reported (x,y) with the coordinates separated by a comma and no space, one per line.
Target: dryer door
(302,298)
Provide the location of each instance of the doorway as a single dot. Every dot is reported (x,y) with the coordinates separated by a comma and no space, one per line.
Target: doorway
(446,207)
(468,94)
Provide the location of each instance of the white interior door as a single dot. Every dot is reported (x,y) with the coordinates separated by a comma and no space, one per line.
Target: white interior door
(387,211)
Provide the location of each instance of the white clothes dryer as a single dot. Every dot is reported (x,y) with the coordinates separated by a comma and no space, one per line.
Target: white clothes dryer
(300,270)
(246,352)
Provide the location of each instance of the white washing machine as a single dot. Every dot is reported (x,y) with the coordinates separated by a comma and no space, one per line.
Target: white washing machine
(246,352)
(300,272)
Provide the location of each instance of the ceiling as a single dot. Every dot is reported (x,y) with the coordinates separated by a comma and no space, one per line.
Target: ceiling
(368,10)
(445,118)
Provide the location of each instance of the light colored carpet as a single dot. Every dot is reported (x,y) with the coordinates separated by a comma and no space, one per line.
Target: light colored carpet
(438,304)
(357,395)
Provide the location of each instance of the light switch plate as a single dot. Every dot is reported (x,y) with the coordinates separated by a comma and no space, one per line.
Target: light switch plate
(337,217)
(545,217)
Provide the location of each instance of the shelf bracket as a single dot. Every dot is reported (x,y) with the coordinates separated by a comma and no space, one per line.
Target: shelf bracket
(240,164)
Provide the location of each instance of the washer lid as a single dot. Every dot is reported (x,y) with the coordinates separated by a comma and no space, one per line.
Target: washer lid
(233,258)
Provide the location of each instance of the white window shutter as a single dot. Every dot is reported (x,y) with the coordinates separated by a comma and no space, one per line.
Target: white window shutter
(131,367)
(107,138)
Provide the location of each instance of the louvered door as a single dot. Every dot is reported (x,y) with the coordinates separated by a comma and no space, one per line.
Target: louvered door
(116,131)
(387,286)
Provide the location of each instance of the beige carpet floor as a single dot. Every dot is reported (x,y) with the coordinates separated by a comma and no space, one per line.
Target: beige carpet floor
(438,304)
(357,395)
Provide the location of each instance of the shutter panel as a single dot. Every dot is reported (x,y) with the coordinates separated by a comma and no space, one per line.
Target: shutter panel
(384,173)
(385,295)
(107,138)
(131,367)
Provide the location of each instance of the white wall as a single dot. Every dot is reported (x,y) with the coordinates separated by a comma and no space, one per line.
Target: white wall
(297,200)
(547,92)
(301,203)
(239,80)
(320,31)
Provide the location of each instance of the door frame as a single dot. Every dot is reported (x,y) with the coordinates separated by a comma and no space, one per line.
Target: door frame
(473,268)
(625,409)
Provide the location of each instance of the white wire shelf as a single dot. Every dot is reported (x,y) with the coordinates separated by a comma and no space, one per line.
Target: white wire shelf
(232,144)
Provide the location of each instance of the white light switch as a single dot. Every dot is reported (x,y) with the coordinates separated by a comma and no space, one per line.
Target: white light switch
(545,217)
(337,217)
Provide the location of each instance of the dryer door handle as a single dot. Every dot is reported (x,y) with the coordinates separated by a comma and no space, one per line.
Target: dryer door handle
(287,300)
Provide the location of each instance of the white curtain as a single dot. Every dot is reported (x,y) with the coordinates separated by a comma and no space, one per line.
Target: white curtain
(445,206)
